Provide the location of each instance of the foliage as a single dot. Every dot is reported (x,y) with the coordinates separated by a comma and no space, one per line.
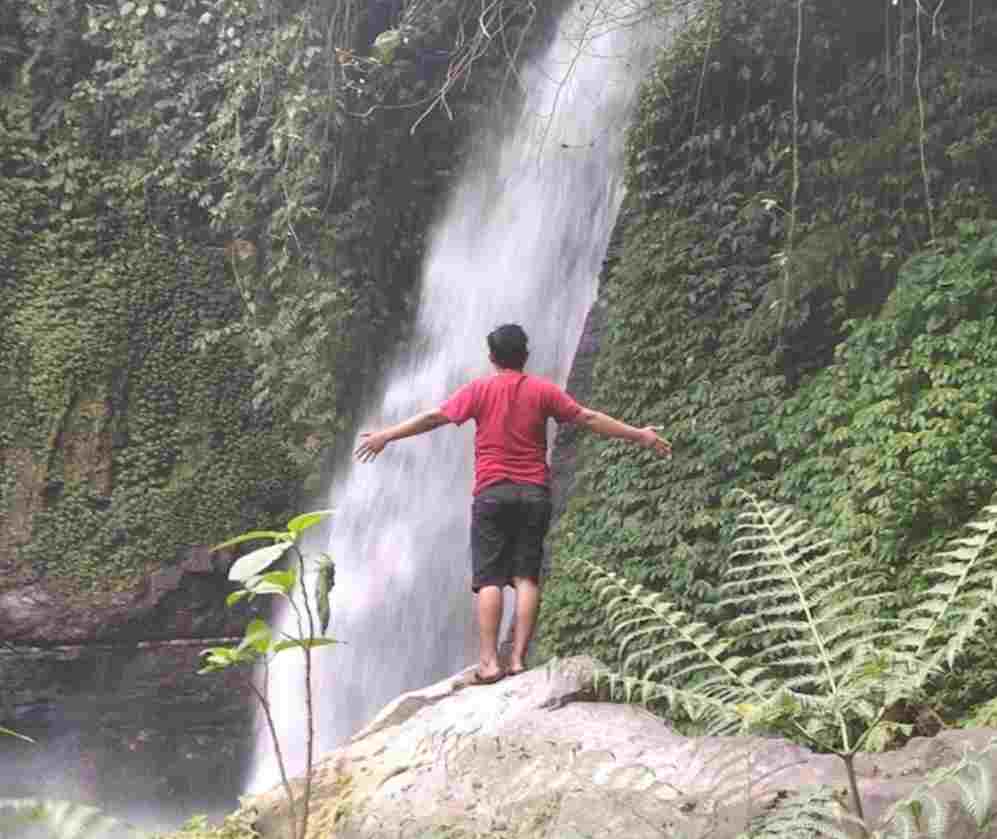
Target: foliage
(926,811)
(923,811)
(891,444)
(10,733)
(705,336)
(238,825)
(41,818)
(261,643)
(276,130)
(213,168)
(123,441)
(801,654)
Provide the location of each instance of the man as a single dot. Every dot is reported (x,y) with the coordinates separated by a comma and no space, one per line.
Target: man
(511,509)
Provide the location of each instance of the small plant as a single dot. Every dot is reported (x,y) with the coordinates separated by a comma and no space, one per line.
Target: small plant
(10,733)
(238,825)
(22,818)
(808,652)
(261,643)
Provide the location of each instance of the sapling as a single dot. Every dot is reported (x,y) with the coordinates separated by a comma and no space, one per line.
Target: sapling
(261,643)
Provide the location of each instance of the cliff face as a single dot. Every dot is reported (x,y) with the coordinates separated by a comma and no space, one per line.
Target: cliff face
(800,300)
(211,226)
(199,276)
(206,252)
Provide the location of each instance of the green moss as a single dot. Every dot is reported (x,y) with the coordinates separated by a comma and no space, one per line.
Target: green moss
(142,445)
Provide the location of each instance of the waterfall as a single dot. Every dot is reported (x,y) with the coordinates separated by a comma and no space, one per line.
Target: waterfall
(522,240)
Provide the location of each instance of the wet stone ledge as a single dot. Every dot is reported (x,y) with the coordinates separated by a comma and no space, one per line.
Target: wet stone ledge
(130,727)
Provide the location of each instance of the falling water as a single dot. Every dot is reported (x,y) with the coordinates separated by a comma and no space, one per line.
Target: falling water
(522,240)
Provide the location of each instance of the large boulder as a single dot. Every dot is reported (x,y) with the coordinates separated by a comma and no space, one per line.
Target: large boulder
(536,755)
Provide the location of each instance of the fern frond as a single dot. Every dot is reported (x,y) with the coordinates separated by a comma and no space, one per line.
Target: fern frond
(796,590)
(812,812)
(976,792)
(673,651)
(64,819)
(937,628)
(924,813)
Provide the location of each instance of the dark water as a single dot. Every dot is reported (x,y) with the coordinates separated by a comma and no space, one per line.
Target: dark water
(129,728)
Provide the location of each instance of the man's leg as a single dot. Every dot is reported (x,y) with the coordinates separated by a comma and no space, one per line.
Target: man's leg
(489,620)
(527,608)
(490,571)
(533,520)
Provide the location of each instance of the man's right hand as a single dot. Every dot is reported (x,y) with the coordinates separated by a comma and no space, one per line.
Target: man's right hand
(372,443)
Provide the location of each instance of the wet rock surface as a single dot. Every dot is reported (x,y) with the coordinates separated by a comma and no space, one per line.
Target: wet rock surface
(536,756)
(109,690)
(131,728)
(175,601)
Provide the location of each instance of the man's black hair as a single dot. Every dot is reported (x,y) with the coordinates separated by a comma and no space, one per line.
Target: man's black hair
(507,344)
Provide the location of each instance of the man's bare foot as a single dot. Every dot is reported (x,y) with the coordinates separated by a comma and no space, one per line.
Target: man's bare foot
(485,677)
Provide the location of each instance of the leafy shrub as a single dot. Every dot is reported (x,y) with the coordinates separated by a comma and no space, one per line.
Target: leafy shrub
(706,338)
(893,443)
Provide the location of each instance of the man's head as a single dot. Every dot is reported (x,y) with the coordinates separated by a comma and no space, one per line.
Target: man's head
(507,346)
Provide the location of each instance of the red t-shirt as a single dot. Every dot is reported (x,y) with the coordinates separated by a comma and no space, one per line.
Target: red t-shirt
(510,410)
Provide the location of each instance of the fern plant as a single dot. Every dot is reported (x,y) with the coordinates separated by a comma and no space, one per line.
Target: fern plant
(807,652)
(35,818)
(926,812)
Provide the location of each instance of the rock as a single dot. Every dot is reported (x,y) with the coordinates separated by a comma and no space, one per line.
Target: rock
(107,685)
(178,601)
(536,755)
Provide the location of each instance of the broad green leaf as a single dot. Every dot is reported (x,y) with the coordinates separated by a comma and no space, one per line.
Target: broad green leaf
(386,44)
(253,563)
(251,535)
(258,587)
(221,658)
(306,520)
(283,580)
(258,636)
(9,733)
(219,653)
(324,581)
(303,643)
(235,597)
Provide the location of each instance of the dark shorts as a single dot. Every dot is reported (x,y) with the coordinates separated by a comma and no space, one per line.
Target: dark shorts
(508,525)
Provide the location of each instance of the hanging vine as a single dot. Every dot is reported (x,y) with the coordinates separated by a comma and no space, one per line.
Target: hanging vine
(922,119)
(787,255)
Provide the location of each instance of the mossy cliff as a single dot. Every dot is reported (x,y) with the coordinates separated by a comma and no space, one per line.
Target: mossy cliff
(211,222)
(804,300)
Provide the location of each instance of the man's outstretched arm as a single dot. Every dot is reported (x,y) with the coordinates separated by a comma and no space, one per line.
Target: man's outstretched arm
(607,426)
(372,443)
